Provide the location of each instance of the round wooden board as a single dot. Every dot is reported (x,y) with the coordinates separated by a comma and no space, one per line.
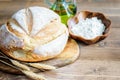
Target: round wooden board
(69,55)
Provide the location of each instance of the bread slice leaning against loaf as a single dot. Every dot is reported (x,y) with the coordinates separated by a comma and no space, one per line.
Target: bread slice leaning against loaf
(33,34)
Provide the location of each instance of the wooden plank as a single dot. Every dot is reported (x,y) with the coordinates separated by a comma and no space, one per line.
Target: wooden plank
(88,70)
(81,5)
(4,17)
(105,44)
(100,54)
(108,12)
(80,70)
(93,67)
(5,0)
(112,12)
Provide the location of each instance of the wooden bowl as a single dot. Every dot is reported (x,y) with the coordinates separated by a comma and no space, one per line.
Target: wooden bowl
(87,14)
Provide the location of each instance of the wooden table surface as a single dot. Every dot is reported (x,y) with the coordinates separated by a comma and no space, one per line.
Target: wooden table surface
(100,61)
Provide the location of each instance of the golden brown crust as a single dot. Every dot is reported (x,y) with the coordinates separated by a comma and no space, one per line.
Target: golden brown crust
(29,38)
(27,54)
(30,58)
(68,56)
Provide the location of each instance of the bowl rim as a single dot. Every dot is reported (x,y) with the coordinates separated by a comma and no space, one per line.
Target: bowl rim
(105,33)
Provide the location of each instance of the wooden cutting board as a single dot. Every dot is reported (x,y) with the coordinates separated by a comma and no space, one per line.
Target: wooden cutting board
(69,55)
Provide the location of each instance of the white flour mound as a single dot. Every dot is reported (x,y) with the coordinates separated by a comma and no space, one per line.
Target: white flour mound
(89,28)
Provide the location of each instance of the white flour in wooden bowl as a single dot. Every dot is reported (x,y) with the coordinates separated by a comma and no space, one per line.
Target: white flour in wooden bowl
(89,28)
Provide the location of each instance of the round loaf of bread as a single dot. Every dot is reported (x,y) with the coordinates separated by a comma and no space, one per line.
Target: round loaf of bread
(33,34)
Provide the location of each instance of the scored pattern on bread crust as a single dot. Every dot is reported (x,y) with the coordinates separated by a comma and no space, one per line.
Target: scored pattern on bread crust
(29,19)
(33,34)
